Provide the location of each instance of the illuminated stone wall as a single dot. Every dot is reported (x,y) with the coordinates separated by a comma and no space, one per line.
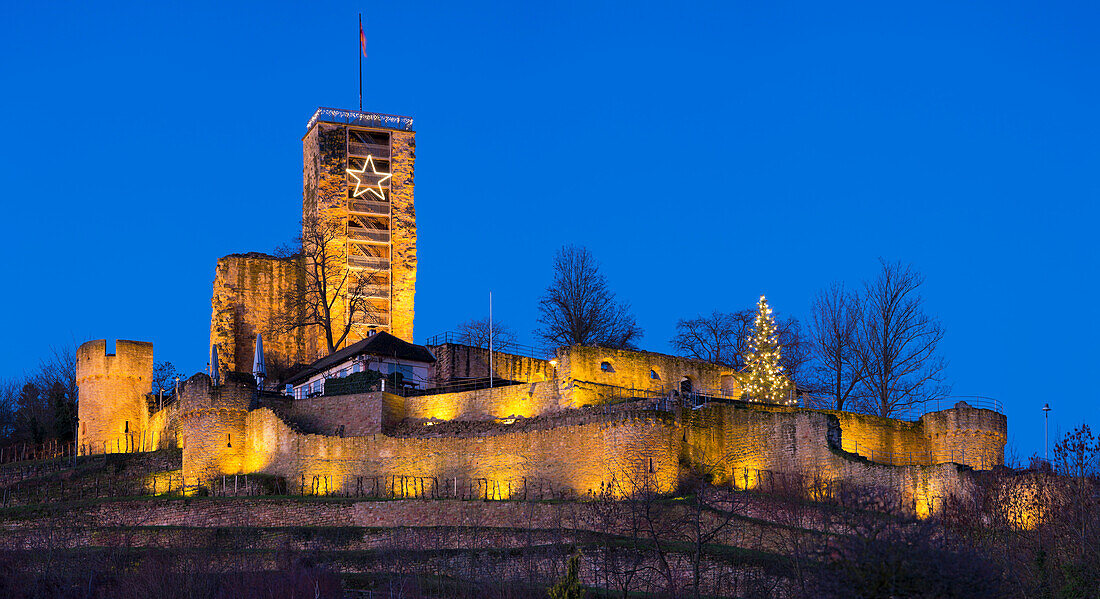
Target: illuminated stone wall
(455,361)
(967,435)
(164,427)
(524,399)
(740,445)
(249,291)
(212,420)
(635,370)
(403,234)
(574,457)
(113,410)
(350,415)
(873,436)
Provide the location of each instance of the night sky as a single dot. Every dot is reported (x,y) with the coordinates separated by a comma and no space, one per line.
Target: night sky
(706,153)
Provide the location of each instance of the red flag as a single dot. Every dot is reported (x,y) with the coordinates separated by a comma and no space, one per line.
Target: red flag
(362,39)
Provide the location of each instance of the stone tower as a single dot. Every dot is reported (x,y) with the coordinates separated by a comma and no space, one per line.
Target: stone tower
(212,418)
(113,410)
(357,178)
(357,175)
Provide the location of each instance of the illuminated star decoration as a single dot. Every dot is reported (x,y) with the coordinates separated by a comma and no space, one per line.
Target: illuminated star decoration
(361,188)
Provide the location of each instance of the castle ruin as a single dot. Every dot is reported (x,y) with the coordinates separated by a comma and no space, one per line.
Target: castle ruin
(583,420)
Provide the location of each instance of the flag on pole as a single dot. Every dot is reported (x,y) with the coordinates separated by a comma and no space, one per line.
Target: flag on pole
(362,38)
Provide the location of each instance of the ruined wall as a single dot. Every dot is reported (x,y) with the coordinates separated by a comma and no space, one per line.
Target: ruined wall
(576,457)
(967,435)
(635,370)
(164,428)
(876,437)
(403,234)
(212,418)
(249,290)
(113,411)
(348,415)
(455,361)
(738,445)
(524,399)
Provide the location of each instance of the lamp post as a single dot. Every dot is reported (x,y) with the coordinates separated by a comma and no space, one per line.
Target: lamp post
(1046,417)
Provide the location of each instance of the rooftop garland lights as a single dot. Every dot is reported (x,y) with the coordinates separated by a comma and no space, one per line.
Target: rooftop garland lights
(765,381)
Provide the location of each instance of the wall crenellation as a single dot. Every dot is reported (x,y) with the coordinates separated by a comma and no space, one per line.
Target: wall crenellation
(536,431)
(113,390)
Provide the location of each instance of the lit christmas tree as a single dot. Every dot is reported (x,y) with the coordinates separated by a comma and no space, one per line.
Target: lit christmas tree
(764,378)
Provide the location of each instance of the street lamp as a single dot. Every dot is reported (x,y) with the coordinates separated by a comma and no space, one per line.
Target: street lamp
(1046,417)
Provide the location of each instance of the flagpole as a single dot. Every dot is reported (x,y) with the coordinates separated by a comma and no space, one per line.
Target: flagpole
(360,62)
(490,339)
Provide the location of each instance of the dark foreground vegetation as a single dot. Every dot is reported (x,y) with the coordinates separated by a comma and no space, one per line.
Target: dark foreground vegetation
(1023,533)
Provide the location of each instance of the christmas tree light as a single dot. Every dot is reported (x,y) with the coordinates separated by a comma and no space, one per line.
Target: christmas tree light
(765,381)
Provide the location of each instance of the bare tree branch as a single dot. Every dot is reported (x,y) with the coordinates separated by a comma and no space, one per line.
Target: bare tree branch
(835,320)
(897,344)
(579,309)
(329,294)
(475,333)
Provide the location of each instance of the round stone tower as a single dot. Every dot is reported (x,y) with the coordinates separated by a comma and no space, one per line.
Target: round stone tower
(113,410)
(212,420)
(965,435)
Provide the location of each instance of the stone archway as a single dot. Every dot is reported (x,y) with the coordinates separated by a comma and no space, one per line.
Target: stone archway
(686,386)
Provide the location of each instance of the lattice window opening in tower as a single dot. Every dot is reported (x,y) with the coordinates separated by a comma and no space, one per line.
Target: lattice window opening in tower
(370,188)
(370,284)
(364,142)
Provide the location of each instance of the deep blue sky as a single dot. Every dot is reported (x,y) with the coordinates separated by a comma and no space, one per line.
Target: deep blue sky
(706,153)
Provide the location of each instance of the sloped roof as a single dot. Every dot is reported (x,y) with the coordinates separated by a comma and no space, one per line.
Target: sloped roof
(379,344)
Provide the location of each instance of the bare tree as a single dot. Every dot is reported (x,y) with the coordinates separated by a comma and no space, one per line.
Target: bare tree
(59,367)
(795,348)
(330,295)
(719,337)
(164,377)
(1075,516)
(722,338)
(475,332)
(836,316)
(9,402)
(579,309)
(897,344)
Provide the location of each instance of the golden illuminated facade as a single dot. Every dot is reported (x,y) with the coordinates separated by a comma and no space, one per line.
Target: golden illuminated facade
(357,183)
(357,177)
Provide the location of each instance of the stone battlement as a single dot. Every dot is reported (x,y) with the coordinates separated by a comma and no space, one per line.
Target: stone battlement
(132,359)
(113,410)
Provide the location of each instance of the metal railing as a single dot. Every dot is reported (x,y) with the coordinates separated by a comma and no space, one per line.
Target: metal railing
(373,291)
(702,396)
(465,385)
(362,119)
(368,234)
(915,411)
(21,452)
(506,347)
(368,262)
(979,460)
(361,149)
(369,207)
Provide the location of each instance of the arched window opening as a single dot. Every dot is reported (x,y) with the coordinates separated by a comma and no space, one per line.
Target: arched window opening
(653,375)
(228,440)
(126,428)
(606,367)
